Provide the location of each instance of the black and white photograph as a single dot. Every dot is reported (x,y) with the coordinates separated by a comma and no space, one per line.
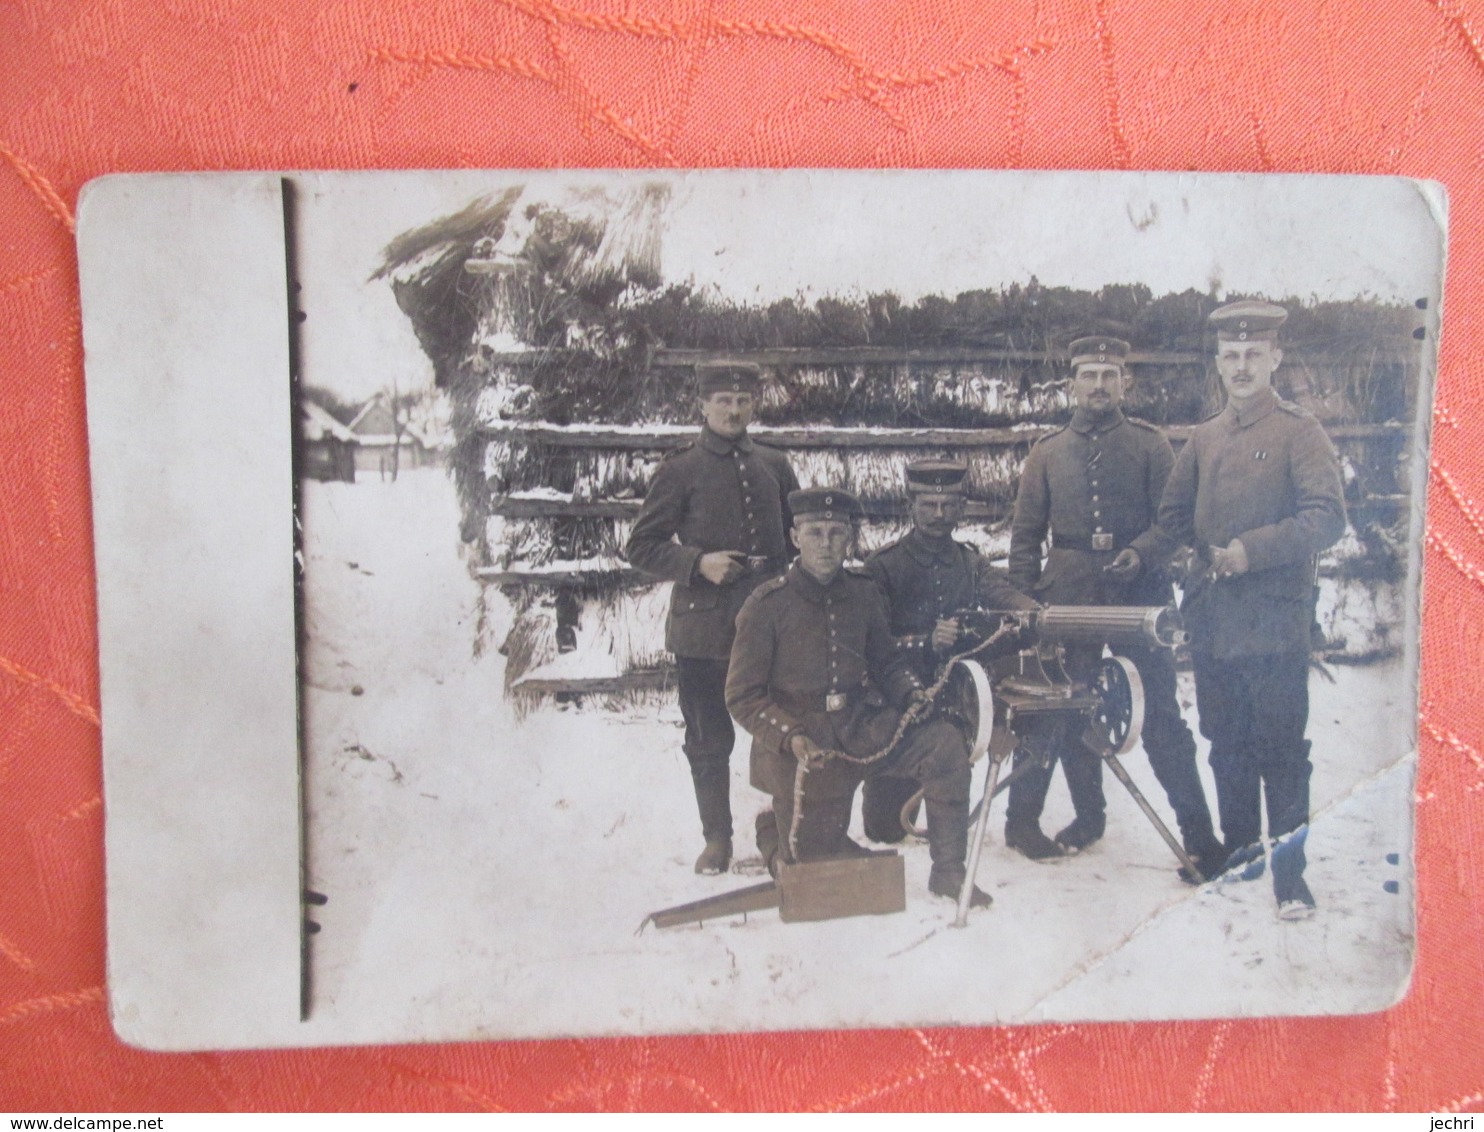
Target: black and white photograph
(744,600)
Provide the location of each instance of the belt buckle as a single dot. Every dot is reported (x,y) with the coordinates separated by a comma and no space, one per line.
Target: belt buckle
(1102,542)
(835,701)
(757,562)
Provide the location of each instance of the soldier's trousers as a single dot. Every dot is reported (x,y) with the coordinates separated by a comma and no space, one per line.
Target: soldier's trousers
(1167,742)
(933,754)
(709,736)
(1254,709)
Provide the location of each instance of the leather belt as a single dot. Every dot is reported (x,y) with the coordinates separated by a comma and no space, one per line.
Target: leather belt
(1101,541)
(810,703)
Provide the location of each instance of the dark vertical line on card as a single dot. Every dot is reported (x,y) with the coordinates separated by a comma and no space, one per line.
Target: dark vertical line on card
(295,319)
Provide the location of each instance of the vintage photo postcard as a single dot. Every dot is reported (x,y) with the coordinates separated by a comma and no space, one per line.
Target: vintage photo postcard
(539,604)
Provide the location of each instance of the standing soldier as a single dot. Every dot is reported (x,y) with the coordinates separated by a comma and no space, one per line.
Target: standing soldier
(1094,487)
(713,523)
(1257,493)
(814,668)
(925,576)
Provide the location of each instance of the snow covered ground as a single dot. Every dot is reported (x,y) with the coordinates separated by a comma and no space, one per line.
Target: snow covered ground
(487,877)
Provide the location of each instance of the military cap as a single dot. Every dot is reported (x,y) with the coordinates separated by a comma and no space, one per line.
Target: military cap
(1099,349)
(824,503)
(728,378)
(1251,320)
(936,475)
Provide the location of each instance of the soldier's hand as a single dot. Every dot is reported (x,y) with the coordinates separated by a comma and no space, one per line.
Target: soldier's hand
(1126,566)
(803,748)
(1229,561)
(945,634)
(720,567)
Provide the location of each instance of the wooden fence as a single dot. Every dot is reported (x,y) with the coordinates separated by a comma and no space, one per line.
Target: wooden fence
(1369,445)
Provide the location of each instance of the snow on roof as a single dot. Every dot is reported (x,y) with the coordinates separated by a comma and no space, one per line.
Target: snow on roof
(757,431)
(316,423)
(378,401)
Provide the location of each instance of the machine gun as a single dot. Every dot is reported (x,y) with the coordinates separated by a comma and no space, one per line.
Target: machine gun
(1029,676)
(1006,668)
(1025,678)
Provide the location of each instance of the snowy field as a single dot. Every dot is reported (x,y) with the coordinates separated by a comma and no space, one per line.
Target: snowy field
(487,877)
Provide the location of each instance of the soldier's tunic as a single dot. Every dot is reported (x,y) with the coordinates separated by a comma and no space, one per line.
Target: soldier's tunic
(924,582)
(713,494)
(1263,472)
(1094,488)
(803,649)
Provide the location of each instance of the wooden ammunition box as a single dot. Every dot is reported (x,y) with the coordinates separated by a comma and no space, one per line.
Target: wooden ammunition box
(845,886)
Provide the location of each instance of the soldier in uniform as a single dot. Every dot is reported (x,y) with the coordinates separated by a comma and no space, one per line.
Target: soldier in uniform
(1094,487)
(814,669)
(1257,494)
(714,523)
(925,576)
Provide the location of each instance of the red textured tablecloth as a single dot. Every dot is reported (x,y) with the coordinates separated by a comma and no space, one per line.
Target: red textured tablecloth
(97,86)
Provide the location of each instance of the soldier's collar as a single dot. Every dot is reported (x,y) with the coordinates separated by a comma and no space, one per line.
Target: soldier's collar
(918,546)
(1259,405)
(719,445)
(804,582)
(1085,423)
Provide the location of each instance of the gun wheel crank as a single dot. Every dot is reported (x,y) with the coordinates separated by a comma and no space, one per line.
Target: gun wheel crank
(1117,721)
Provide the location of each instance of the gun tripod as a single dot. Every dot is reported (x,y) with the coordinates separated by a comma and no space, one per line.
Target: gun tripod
(1028,688)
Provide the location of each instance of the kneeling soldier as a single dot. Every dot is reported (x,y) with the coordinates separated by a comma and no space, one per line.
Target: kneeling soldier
(926,576)
(812,671)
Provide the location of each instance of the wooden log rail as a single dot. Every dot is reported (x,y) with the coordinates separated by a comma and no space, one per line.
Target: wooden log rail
(515,507)
(557,576)
(658,438)
(635,680)
(1392,352)
(977,511)
(663,679)
(661,437)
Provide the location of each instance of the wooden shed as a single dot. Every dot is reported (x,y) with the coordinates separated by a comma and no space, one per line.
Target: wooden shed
(383,447)
(327,448)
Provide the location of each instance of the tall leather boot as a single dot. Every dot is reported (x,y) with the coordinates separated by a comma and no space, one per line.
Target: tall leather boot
(1288,817)
(1084,774)
(948,846)
(1023,811)
(1172,756)
(1239,800)
(713,782)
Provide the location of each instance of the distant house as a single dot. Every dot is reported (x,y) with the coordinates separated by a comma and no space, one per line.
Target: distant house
(375,430)
(327,448)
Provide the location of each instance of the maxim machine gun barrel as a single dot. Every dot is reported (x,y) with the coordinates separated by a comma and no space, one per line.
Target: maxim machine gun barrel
(1121,626)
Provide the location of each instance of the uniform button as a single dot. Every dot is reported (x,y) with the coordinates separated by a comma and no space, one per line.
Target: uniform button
(1094,497)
